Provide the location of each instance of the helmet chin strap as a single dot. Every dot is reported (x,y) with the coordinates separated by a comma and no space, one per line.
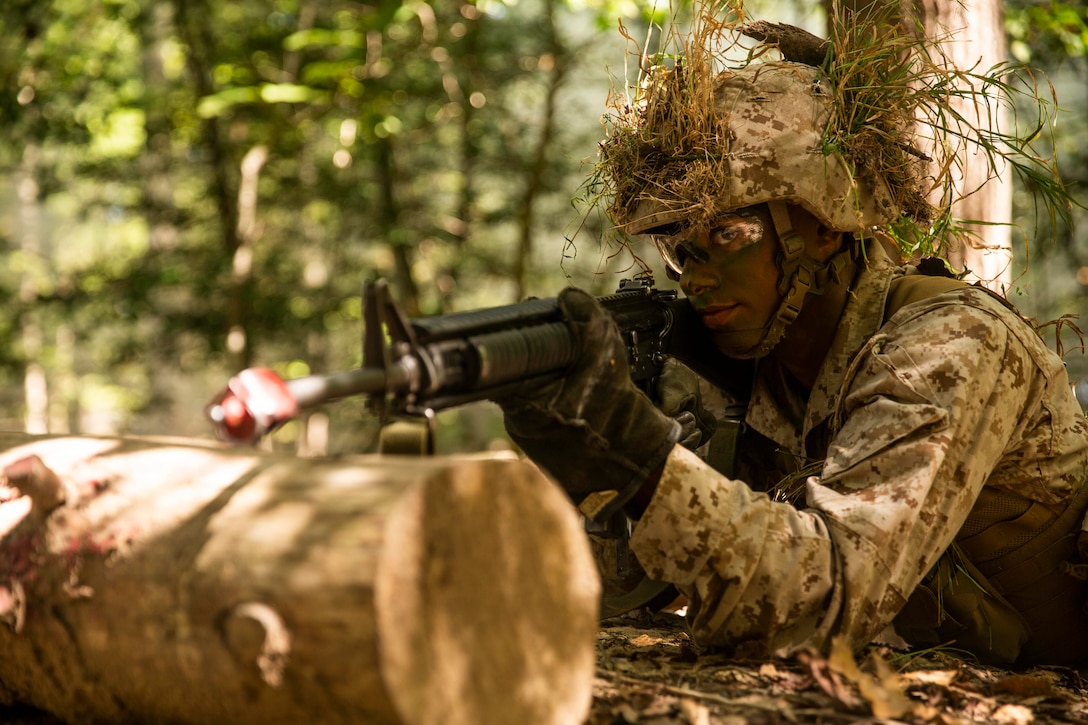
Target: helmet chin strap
(800,275)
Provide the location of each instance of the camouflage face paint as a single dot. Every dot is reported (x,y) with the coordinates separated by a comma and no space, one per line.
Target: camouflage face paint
(728,233)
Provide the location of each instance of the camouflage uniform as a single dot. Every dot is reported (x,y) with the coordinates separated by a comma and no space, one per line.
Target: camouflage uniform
(912,418)
(950,452)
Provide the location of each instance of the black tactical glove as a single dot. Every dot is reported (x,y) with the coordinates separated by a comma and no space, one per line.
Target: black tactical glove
(592,430)
(677,395)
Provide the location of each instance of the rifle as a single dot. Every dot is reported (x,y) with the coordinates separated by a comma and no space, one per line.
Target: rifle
(418,366)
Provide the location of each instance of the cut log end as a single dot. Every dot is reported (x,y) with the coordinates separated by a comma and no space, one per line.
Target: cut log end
(493,621)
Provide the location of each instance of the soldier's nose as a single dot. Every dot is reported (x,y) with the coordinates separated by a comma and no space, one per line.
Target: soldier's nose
(697,278)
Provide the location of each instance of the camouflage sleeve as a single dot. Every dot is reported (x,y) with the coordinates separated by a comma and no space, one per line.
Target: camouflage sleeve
(925,414)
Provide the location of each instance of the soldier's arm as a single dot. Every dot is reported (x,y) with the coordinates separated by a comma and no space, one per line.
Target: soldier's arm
(927,415)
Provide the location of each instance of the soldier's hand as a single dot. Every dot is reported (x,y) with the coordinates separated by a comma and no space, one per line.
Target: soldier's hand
(592,429)
(678,396)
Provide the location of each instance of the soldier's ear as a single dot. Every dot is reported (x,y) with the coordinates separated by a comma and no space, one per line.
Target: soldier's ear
(828,243)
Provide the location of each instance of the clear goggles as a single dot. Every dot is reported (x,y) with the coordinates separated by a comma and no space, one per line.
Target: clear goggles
(727,233)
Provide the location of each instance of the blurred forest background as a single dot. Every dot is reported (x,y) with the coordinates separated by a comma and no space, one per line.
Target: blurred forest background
(189,187)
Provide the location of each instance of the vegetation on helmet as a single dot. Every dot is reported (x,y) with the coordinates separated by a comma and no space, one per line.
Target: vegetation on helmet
(894,115)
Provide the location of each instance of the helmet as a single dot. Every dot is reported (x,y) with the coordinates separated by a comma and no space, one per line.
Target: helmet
(766,142)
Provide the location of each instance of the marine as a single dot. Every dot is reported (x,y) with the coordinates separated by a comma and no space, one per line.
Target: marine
(911,454)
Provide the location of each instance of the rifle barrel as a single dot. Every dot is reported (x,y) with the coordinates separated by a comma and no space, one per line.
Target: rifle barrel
(314,390)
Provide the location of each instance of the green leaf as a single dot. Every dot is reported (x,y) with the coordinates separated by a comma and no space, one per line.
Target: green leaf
(322,37)
(288,93)
(218,104)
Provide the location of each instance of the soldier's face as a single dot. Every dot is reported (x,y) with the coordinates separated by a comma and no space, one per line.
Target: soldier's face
(730,274)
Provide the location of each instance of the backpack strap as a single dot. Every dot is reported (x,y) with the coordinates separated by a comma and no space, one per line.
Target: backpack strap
(915,287)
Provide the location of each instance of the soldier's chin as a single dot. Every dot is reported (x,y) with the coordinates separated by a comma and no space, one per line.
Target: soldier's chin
(742,344)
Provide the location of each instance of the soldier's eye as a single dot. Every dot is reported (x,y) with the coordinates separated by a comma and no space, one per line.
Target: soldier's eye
(736,232)
(723,236)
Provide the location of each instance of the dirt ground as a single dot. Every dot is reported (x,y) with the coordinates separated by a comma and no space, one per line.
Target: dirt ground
(649,672)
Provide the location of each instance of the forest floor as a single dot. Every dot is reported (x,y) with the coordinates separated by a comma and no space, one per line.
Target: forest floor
(651,673)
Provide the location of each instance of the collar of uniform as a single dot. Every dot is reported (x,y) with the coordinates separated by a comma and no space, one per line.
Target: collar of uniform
(775,408)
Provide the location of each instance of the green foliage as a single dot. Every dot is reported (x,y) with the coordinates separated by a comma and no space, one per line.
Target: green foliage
(188,186)
(1052,37)
(1050,33)
(176,172)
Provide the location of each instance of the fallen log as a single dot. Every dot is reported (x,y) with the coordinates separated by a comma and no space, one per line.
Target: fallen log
(176,581)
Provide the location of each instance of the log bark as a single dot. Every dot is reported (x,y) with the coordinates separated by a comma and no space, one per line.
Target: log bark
(185,582)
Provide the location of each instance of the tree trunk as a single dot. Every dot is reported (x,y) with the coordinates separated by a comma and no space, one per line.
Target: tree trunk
(978,33)
(975,40)
(159,581)
(194,29)
(35,384)
(535,181)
